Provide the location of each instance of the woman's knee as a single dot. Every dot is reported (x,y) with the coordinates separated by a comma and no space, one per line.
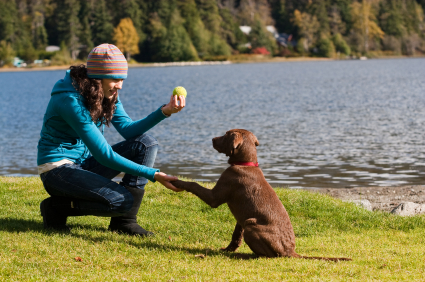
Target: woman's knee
(123,203)
(146,148)
(147,144)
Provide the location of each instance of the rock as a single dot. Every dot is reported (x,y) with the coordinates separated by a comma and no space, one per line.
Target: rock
(408,209)
(363,203)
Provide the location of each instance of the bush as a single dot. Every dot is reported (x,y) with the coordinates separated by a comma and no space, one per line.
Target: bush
(340,44)
(301,46)
(325,48)
(62,57)
(391,43)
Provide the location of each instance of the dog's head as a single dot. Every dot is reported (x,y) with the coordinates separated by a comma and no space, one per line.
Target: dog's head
(238,144)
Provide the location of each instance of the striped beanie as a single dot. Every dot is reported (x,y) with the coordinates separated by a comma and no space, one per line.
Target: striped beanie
(106,61)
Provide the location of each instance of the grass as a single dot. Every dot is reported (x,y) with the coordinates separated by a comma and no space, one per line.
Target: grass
(383,247)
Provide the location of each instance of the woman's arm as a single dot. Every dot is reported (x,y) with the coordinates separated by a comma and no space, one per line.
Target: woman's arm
(73,111)
(128,128)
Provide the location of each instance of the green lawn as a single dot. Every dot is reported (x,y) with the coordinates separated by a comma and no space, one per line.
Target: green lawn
(383,246)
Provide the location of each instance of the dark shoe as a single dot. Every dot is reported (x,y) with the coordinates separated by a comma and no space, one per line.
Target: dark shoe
(52,218)
(127,224)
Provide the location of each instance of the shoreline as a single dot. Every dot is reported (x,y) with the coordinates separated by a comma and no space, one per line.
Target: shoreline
(384,198)
(204,63)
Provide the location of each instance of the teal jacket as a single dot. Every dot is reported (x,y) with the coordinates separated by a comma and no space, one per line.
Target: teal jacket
(68,132)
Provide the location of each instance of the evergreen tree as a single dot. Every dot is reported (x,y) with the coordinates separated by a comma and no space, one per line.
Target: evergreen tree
(325,47)
(9,21)
(391,18)
(36,11)
(319,10)
(194,26)
(69,25)
(101,23)
(230,29)
(172,43)
(280,16)
(209,13)
(85,36)
(340,44)
(6,53)
(261,37)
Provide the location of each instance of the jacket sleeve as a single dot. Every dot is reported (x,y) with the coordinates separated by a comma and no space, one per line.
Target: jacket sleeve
(129,128)
(78,117)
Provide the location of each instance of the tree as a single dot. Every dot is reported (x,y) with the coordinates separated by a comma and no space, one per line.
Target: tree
(69,25)
(280,15)
(340,44)
(194,26)
(101,22)
(126,38)
(307,26)
(261,37)
(6,53)
(336,24)
(248,10)
(364,23)
(172,43)
(85,37)
(325,47)
(391,18)
(230,29)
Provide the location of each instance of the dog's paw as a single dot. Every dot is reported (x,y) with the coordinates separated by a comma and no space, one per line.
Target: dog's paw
(229,248)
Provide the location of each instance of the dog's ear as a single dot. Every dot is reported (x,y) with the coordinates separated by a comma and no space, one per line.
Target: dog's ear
(236,140)
(256,141)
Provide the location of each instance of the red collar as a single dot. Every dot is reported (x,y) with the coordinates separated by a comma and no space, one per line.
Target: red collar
(244,164)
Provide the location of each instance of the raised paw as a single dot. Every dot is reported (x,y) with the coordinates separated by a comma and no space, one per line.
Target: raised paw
(179,184)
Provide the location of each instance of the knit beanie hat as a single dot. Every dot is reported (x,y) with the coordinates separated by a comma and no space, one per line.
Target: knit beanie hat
(106,61)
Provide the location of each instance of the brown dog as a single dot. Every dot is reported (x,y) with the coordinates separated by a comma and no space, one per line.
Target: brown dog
(261,218)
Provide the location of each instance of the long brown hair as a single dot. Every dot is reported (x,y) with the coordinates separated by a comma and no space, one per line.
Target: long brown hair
(101,110)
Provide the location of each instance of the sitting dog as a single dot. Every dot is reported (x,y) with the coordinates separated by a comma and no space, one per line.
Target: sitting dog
(261,218)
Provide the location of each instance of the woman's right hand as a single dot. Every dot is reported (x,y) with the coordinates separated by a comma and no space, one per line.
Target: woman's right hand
(165,180)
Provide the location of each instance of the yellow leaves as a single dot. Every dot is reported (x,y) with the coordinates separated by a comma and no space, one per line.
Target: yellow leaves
(126,37)
(307,24)
(364,20)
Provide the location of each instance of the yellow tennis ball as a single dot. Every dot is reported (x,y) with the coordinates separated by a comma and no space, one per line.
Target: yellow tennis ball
(180,91)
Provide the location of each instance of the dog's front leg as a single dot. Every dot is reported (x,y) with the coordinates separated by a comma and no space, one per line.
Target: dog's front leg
(237,238)
(206,195)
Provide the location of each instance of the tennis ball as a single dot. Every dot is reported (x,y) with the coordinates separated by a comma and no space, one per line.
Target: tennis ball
(180,91)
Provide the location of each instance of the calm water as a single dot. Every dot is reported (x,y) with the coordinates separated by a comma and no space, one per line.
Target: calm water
(320,124)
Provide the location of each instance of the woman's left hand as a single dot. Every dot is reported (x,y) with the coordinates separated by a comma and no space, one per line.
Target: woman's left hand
(174,106)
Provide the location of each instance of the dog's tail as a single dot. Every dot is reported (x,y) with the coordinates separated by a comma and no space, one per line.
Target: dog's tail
(323,258)
(328,259)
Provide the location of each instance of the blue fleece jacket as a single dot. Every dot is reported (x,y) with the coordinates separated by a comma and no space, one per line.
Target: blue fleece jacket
(68,132)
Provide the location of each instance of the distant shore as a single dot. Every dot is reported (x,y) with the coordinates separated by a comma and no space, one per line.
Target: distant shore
(258,59)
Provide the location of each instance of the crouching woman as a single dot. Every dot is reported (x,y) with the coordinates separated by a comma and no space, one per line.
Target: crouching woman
(75,162)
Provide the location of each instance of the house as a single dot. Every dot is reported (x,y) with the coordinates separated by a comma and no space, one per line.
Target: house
(282,39)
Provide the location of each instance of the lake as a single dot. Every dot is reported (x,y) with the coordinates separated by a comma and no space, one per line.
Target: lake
(320,124)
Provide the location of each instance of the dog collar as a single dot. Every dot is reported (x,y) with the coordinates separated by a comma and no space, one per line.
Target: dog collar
(244,164)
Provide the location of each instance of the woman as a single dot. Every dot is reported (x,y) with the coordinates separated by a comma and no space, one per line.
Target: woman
(80,183)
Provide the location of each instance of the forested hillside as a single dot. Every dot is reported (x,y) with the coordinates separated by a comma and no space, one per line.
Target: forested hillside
(186,30)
